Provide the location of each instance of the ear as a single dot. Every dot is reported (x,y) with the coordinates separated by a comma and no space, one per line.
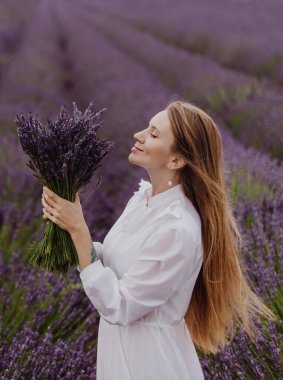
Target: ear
(179,161)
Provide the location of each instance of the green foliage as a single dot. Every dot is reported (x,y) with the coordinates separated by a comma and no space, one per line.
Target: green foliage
(236,121)
(8,243)
(270,65)
(241,93)
(200,43)
(220,98)
(17,314)
(243,184)
(217,99)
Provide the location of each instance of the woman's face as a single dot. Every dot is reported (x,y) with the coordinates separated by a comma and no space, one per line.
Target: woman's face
(154,143)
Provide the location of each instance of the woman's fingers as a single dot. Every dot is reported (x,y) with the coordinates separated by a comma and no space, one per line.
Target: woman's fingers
(49,200)
(53,199)
(48,203)
(50,210)
(53,218)
(47,213)
(52,215)
(67,215)
(51,196)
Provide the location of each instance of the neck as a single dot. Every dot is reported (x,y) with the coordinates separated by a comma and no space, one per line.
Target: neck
(160,182)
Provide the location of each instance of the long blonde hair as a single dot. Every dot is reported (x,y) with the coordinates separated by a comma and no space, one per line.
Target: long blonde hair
(221,296)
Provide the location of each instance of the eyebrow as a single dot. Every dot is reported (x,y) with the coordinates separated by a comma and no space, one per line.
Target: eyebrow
(154,128)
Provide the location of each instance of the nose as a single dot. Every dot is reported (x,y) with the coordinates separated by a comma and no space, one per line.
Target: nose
(136,135)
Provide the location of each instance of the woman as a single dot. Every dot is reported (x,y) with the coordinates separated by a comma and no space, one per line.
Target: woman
(168,274)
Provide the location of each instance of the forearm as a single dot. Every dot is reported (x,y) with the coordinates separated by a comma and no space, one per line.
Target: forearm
(84,245)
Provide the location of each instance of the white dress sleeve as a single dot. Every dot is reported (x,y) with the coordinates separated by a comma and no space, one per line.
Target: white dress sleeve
(160,268)
(99,246)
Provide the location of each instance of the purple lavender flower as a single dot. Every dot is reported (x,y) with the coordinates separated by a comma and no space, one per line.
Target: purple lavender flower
(63,155)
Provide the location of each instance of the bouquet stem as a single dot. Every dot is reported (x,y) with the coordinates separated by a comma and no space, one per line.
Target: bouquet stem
(56,251)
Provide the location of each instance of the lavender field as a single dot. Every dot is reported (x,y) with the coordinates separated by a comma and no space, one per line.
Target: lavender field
(133,58)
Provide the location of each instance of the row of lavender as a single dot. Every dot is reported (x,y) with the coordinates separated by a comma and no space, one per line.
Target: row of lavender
(251,108)
(218,30)
(248,103)
(53,319)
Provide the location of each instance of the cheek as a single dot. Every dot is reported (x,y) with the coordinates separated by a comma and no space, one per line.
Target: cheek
(158,151)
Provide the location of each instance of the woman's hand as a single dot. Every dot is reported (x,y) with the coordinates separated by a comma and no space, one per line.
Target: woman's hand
(67,215)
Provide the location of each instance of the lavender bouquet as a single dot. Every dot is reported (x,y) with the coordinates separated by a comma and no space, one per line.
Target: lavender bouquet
(63,155)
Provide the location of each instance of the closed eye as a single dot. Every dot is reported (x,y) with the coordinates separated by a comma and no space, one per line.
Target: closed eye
(153,135)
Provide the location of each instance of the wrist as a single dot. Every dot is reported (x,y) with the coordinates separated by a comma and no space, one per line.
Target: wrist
(79,230)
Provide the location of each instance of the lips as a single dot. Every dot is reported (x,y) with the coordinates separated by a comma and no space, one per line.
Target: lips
(138,148)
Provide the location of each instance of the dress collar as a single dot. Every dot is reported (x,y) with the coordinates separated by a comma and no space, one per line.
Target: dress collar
(162,199)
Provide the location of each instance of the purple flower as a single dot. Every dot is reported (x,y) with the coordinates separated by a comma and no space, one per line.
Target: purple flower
(63,154)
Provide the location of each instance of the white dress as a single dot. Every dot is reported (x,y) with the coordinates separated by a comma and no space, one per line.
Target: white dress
(141,284)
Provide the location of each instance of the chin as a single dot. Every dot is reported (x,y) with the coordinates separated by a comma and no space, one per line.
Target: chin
(132,161)
(130,158)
